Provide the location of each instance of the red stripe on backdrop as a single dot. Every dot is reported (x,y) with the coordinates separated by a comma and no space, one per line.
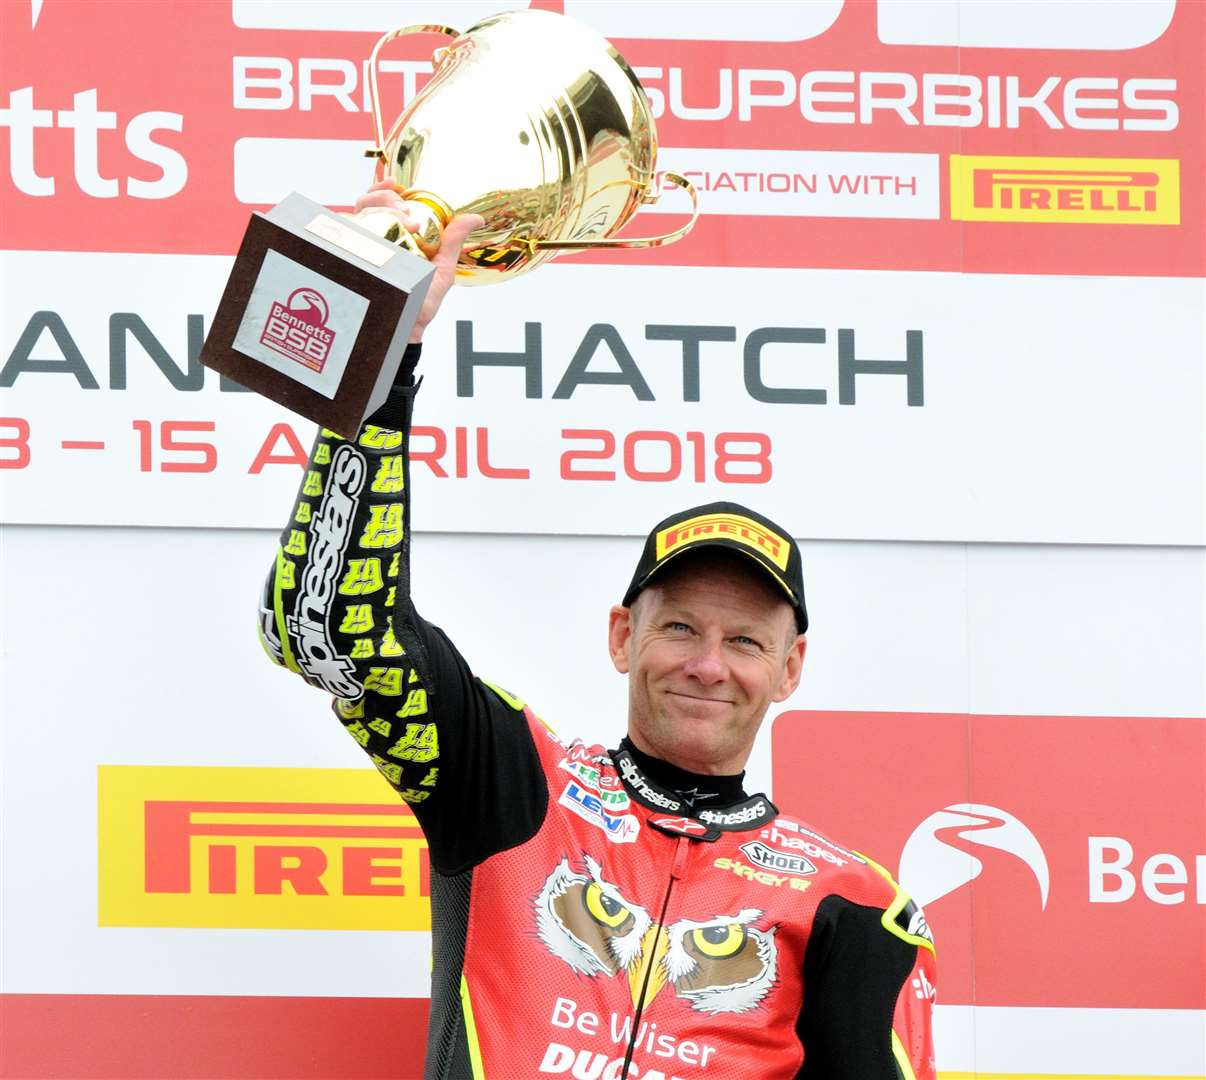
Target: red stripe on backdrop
(134,1037)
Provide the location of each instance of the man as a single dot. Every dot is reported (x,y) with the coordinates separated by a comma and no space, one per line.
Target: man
(604,915)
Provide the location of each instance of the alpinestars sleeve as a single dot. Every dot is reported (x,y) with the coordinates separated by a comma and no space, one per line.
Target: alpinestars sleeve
(336,609)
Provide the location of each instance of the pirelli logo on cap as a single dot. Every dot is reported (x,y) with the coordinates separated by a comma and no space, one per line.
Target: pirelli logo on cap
(304,849)
(728,527)
(1104,191)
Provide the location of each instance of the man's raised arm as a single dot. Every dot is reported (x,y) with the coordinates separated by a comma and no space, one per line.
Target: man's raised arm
(336,609)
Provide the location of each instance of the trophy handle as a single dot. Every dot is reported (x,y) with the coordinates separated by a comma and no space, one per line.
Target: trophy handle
(534,245)
(378,151)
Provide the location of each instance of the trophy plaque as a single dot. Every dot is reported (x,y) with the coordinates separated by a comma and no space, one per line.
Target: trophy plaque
(531,120)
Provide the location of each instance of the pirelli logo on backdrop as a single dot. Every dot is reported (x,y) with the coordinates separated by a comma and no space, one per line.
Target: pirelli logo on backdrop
(304,849)
(1102,191)
(730,526)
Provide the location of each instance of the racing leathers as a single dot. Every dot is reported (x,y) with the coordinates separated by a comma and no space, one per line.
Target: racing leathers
(587,921)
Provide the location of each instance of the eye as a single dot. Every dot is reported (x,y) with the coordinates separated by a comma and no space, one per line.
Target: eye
(603,908)
(719,942)
(744,641)
(678,627)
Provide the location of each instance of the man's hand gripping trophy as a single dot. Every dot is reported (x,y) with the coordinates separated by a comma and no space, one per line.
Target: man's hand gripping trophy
(385,195)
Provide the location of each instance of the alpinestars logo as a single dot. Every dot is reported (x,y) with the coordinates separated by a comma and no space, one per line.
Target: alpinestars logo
(682,825)
(740,816)
(298,328)
(937,859)
(330,529)
(634,778)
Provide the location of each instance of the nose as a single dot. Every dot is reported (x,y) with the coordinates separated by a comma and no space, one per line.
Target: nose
(707,663)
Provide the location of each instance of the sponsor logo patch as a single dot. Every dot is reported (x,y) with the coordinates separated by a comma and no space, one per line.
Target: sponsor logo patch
(619,828)
(684,826)
(778,861)
(793,837)
(741,816)
(763,877)
(636,779)
(588,755)
(606,786)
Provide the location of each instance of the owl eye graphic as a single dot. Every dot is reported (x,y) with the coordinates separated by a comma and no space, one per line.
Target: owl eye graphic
(585,921)
(719,942)
(722,964)
(604,908)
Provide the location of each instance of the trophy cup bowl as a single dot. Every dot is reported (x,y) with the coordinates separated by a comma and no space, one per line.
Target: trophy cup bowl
(535,122)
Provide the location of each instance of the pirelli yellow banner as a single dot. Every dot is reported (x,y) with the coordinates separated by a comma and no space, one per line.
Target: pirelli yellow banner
(314,849)
(1102,191)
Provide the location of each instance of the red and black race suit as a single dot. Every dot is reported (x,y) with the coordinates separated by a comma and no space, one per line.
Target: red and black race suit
(586,921)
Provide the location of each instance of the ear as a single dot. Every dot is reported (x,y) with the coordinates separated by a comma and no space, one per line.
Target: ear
(619,636)
(792,668)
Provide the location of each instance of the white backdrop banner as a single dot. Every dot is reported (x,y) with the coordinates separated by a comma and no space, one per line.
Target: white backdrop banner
(589,399)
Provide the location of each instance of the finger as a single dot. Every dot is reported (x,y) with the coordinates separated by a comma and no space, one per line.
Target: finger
(379,197)
(455,233)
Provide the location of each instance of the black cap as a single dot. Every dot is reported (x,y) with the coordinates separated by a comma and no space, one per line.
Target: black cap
(725,525)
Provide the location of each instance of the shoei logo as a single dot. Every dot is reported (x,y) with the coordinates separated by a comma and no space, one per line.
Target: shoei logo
(1110,191)
(937,858)
(769,859)
(725,526)
(298,328)
(302,849)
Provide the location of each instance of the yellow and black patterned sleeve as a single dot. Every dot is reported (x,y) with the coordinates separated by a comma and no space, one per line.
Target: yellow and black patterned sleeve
(336,610)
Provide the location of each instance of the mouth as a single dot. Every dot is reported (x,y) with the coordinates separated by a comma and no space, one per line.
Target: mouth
(698,699)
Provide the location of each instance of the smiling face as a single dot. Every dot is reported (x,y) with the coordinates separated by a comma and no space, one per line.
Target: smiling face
(707,648)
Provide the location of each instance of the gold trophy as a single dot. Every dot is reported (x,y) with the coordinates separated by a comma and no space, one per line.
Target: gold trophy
(531,120)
